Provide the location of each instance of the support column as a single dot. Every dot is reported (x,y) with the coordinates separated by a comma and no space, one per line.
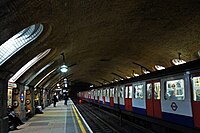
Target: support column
(3,106)
(32,100)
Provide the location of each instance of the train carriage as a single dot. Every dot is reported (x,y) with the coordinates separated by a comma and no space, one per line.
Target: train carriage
(195,85)
(96,98)
(176,99)
(172,95)
(107,96)
(116,97)
(121,91)
(139,99)
(104,96)
(100,96)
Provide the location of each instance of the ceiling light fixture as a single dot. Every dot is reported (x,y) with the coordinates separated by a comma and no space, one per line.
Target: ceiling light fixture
(178,61)
(136,75)
(145,71)
(199,53)
(159,67)
(63,68)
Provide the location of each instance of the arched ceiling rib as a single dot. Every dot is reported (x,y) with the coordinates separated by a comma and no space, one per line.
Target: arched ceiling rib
(102,40)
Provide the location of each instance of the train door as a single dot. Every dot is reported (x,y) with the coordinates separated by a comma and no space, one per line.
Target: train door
(98,96)
(116,98)
(128,97)
(112,96)
(153,99)
(196,99)
(107,97)
(104,95)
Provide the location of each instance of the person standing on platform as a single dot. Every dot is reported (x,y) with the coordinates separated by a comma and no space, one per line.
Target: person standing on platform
(54,100)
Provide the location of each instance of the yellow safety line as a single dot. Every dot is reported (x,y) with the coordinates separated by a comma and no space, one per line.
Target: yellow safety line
(79,121)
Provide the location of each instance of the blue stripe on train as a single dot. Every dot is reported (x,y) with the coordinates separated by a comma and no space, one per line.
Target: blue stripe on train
(101,102)
(115,105)
(140,111)
(179,119)
(107,103)
(122,107)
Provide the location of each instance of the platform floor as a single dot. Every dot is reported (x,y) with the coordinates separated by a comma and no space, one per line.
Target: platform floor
(59,119)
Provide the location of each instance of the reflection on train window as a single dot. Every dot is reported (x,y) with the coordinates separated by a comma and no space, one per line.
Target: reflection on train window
(121,92)
(175,90)
(111,92)
(157,90)
(100,91)
(105,92)
(149,90)
(196,88)
(92,94)
(138,91)
(96,93)
(108,93)
(115,93)
(126,92)
(89,94)
(130,91)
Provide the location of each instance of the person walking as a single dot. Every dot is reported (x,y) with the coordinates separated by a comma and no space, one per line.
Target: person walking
(54,100)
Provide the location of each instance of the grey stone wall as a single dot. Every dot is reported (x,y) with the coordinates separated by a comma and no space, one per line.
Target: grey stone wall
(3,106)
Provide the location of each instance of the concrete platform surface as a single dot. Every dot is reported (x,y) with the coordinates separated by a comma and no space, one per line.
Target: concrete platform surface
(59,119)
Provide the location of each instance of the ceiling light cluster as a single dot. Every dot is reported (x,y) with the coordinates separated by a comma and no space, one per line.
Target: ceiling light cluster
(144,71)
(159,67)
(178,61)
(63,69)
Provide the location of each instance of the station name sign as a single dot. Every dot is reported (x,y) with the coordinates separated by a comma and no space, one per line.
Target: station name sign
(12,85)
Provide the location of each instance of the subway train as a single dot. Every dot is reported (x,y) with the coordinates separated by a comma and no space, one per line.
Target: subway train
(172,95)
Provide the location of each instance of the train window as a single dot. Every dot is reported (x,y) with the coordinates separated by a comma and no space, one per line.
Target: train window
(138,91)
(126,92)
(130,91)
(157,90)
(149,90)
(175,90)
(196,88)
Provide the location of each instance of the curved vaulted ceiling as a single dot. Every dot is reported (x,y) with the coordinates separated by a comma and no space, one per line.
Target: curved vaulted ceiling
(101,40)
